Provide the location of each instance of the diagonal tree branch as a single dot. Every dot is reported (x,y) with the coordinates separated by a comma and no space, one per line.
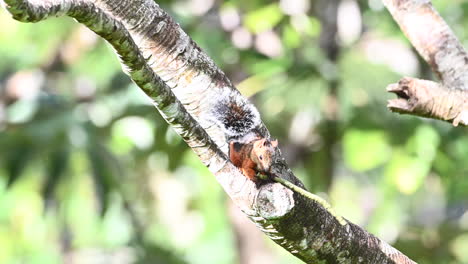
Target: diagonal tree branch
(440,48)
(187,88)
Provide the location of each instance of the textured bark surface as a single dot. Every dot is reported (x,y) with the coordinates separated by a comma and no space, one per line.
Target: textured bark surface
(183,84)
(440,48)
(429,99)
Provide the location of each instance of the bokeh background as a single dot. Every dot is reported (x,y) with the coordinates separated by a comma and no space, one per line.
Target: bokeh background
(90,173)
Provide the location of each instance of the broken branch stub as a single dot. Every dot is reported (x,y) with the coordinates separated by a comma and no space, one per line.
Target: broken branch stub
(429,99)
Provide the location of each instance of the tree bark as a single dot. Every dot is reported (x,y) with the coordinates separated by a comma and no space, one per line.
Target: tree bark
(182,82)
(440,48)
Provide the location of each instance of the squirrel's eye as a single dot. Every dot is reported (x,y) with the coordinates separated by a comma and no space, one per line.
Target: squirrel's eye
(260,157)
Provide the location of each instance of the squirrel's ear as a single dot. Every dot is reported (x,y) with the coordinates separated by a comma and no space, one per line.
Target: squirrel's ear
(274,143)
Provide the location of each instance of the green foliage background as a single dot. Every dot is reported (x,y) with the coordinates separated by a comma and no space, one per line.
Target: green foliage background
(90,173)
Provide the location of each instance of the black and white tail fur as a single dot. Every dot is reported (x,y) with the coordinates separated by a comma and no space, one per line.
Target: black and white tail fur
(236,116)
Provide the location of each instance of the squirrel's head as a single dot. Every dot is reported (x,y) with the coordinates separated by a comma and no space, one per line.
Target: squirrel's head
(263,152)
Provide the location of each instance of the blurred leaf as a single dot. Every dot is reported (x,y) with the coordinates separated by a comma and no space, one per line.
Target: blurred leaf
(307,25)
(410,166)
(117,228)
(407,172)
(251,85)
(387,219)
(17,159)
(100,64)
(291,38)
(424,143)
(132,131)
(312,26)
(22,111)
(30,44)
(346,197)
(365,149)
(152,254)
(459,248)
(104,169)
(264,18)
(57,165)
(267,68)
(6,246)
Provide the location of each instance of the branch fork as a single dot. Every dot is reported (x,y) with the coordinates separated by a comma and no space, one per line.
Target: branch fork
(441,49)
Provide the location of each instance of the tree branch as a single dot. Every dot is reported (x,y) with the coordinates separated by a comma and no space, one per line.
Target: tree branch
(429,99)
(184,85)
(440,48)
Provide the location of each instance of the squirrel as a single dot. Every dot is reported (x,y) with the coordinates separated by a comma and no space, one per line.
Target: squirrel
(249,149)
(253,157)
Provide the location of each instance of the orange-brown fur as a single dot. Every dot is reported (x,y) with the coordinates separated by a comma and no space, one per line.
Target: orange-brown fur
(253,157)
